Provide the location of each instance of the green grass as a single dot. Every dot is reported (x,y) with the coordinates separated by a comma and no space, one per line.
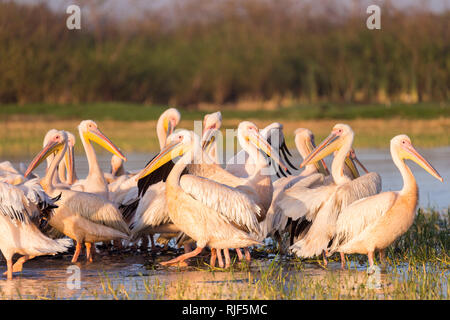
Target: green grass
(137,112)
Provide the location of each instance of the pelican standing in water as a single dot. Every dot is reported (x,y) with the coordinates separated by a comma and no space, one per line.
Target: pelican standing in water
(203,209)
(151,215)
(21,210)
(373,223)
(314,175)
(143,206)
(320,207)
(258,185)
(83,217)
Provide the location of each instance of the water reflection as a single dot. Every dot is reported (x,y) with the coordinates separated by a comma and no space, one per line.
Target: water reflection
(130,276)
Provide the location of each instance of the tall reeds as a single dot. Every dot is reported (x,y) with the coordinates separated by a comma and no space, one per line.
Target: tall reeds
(196,52)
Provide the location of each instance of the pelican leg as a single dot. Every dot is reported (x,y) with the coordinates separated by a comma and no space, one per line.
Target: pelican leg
(279,240)
(248,257)
(77,252)
(382,256)
(239,254)
(117,244)
(370,255)
(152,243)
(343,261)
(226,253)
(9,271)
(325,260)
(183,257)
(212,262)
(219,257)
(18,266)
(89,251)
(144,243)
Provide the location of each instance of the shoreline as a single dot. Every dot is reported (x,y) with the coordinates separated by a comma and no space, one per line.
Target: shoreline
(22,138)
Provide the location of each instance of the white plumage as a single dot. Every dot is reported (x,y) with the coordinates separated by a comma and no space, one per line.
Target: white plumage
(151,213)
(18,234)
(354,219)
(324,214)
(232,204)
(320,207)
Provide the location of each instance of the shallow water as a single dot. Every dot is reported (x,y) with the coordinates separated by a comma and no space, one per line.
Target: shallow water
(137,276)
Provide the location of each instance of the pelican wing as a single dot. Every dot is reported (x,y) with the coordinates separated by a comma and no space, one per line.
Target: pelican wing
(275,218)
(13,203)
(359,188)
(323,228)
(43,204)
(231,203)
(8,167)
(300,201)
(151,211)
(94,208)
(355,218)
(312,181)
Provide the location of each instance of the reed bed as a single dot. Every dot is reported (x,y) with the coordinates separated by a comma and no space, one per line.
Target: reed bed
(223,52)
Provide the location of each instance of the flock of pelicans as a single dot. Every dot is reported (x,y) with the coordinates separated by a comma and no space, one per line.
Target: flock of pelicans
(202,204)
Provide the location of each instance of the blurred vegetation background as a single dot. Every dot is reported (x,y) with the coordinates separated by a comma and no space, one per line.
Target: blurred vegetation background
(281,52)
(303,63)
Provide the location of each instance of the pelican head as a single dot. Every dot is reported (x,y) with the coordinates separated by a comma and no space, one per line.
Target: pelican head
(167,122)
(271,129)
(304,141)
(402,147)
(248,134)
(50,133)
(116,164)
(177,144)
(211,123)
(48,136)
(56,141)
(89,131)
(340,134)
